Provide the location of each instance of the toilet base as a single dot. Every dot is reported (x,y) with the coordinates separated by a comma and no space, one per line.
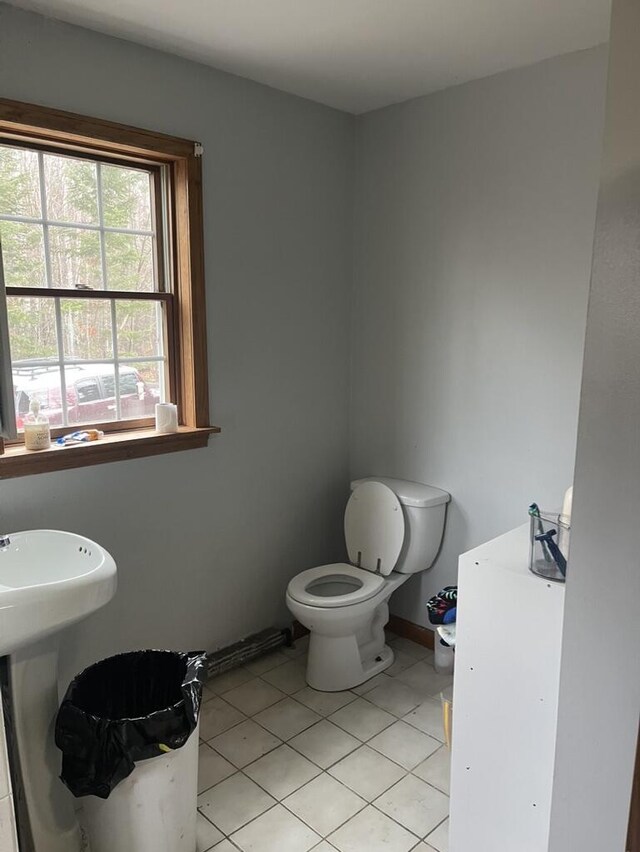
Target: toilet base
(335,663)
(347,643)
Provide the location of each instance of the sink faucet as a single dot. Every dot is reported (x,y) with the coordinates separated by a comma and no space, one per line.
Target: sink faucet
(5,541)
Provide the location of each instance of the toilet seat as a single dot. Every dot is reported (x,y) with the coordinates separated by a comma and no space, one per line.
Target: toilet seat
(321,586)
(374,533)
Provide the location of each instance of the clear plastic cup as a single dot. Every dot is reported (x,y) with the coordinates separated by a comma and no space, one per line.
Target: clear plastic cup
(549,535)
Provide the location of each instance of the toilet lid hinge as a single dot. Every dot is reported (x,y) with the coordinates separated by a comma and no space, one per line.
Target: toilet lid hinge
(378,563)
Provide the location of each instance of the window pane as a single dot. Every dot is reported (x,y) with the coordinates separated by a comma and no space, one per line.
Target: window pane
(19,182)
(86,329)
(129,262)
(140,389)
(75,259)
(23,254)
(139,328)
(41,383)
(71,190)
(126,198)
(90,393)
(32,329)
(87,390)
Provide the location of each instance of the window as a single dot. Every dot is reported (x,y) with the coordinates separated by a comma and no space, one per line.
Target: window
(101,232)
(88,229)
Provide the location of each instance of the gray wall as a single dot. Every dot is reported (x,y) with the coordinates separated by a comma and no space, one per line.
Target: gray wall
(206,540)
(474,219)
(475,216)
(600,677)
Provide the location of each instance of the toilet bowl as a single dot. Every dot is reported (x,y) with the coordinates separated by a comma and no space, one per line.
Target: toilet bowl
(393,528)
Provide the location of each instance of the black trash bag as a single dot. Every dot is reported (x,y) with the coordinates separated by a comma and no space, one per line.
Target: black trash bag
(127,708)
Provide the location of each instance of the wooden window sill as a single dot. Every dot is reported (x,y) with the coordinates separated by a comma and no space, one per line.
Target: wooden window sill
(116,446)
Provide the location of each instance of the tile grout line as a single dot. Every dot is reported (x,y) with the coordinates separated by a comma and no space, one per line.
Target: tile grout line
(242,825)
(331,765)
(281,802)
(324,837)
(282,742)
(393,819)
(323,770)
(435,828)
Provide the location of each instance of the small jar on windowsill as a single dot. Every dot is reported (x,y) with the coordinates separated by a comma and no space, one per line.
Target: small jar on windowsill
(37,432)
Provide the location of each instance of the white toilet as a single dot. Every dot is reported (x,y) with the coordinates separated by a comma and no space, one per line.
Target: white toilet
(393,528)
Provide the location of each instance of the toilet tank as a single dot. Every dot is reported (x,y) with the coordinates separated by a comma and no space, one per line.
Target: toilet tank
(424,510)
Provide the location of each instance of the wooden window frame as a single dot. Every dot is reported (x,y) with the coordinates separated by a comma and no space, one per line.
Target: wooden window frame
(182,159)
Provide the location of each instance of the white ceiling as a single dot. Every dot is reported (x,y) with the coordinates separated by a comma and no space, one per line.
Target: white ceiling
(356,55)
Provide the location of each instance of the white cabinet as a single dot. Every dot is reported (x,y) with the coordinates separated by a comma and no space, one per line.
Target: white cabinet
(509,633)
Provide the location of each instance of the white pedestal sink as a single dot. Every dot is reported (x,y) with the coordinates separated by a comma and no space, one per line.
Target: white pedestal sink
(48,580)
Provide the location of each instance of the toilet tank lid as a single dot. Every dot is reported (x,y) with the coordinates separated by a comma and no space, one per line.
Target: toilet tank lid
(410,493)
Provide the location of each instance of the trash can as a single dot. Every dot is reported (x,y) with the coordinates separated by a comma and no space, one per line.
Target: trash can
(443,656)
(128,731)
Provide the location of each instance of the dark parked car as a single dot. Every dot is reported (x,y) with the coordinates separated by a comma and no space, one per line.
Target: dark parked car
(90,393)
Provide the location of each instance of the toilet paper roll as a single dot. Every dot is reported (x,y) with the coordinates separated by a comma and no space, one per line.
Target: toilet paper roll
(166,417)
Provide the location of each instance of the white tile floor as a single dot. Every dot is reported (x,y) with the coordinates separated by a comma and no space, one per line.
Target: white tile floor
(284,768)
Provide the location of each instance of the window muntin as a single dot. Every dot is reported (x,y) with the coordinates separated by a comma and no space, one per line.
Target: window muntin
(88,227)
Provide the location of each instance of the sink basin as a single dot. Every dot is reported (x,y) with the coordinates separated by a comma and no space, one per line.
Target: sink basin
(50,579)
